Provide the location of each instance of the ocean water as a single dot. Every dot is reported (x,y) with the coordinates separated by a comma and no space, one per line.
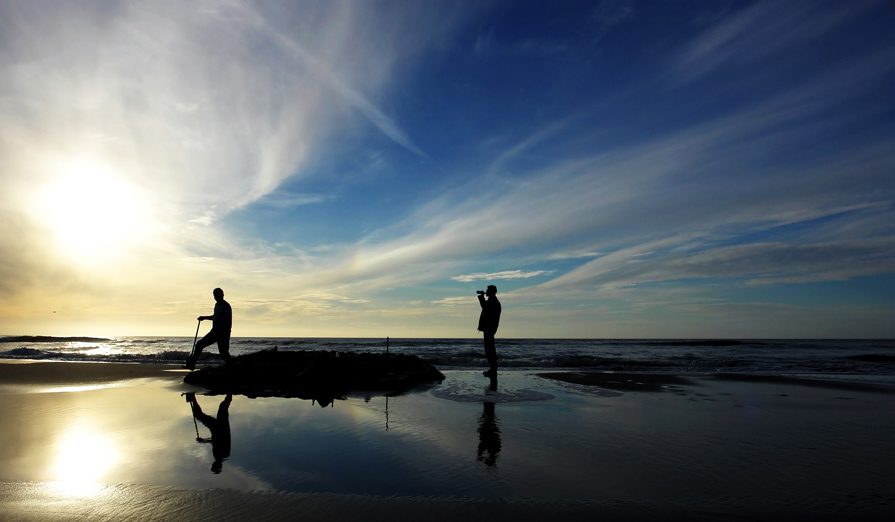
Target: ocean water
(681,356)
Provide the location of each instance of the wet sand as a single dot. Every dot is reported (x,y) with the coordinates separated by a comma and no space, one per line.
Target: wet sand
(40,375)
(663,382)
(88,441)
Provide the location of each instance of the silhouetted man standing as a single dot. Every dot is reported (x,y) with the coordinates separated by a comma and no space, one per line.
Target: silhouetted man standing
(488,321)
(222,321)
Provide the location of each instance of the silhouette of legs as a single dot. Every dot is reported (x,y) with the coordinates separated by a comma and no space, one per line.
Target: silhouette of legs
(224,348)
(490,354)
(209,339)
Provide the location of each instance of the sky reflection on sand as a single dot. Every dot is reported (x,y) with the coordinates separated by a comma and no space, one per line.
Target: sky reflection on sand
(708,440)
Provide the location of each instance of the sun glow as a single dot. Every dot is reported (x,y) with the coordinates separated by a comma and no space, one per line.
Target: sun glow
(91,212)
(83,458)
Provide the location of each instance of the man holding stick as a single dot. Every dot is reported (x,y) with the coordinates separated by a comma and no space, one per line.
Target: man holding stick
(222,321)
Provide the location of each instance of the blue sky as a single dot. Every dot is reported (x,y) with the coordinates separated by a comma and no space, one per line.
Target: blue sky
(360,168)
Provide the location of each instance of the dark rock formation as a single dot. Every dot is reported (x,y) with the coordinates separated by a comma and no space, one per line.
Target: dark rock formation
(318,375)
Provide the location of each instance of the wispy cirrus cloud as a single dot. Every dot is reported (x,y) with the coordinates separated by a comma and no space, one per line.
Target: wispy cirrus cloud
(757,33)
(664,208)
(574,254)
(749,264)
(283,199)
(604,198)
(215,113)
(701,182)
(506,274)
(454,301)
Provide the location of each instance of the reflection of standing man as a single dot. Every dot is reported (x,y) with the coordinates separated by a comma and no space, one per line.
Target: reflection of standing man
(222,321)
(489,436)
(219,428)
(488,321)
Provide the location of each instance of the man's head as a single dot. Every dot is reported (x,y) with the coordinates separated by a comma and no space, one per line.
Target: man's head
(218,294)
(491,290)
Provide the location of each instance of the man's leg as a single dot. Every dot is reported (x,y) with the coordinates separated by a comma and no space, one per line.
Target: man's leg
(208,340)
(224,348)
(491,352)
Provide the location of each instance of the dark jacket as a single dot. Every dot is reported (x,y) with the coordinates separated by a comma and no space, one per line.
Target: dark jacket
(223,317)
(490,317)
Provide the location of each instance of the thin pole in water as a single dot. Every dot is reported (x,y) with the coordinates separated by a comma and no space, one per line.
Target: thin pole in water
(386,346)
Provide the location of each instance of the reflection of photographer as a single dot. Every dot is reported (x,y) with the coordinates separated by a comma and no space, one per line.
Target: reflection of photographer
(219,428)
(489,436)
(488,321)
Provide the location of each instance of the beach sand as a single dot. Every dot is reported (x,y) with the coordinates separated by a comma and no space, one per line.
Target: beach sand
(90,441)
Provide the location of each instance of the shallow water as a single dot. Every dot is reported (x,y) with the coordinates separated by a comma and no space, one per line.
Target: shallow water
(525,438)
